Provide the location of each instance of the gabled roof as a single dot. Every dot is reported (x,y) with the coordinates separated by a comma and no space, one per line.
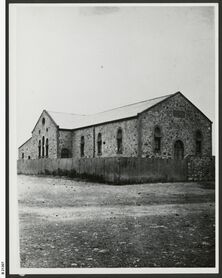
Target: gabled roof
(75,121)
(66,120)
(25,142)
(44,111)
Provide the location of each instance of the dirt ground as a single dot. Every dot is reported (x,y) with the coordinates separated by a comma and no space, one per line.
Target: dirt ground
(71,223)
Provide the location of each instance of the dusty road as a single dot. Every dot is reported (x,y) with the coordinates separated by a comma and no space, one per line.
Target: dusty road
(67,223)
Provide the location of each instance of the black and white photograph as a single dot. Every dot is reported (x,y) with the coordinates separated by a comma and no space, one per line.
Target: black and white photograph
(113,144)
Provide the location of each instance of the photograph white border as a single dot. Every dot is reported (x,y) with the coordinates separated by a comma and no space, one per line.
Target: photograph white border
(2,140)
(13,202)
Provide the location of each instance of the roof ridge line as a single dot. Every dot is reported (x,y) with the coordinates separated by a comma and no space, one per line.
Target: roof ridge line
(130,104)
(168,95)
(65,113)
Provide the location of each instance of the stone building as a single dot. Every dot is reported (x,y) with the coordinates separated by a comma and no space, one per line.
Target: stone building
(165,127)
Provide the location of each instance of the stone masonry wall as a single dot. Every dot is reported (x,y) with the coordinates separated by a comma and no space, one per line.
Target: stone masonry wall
(88,137)
(109,139)
(26,149)
(201,168)
(48,130)
(176,117)
(174,127)
(65,141)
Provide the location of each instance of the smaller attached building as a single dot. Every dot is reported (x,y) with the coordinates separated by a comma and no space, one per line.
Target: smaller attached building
(165,127)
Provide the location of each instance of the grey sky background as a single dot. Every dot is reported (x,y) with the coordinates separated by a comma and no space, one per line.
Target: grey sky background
(89,59)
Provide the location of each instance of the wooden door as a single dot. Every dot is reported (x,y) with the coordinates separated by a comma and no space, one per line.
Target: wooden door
(178,150)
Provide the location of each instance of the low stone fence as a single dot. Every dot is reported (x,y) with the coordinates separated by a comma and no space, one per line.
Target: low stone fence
(201,168)
(122,170)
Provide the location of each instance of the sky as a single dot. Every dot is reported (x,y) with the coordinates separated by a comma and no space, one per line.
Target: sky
(84,60)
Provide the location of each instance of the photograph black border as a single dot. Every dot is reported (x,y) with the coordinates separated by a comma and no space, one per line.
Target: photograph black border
(7,109)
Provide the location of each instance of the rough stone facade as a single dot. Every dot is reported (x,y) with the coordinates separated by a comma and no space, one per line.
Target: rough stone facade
(176,118)
(25,151)
(49,131)
(109,138)
(65,142)
(88,142)
(201,168)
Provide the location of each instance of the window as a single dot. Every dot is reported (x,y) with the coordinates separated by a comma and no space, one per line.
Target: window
(82,145)
(47,148)
(119,141)
(22,155)
(198,142)
(99,144)
(39,147)
(157,139)
(64,153)
(43,121)
(43,146)
(29,157)
(39,131)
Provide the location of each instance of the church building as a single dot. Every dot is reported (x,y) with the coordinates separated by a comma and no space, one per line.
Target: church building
(164,127)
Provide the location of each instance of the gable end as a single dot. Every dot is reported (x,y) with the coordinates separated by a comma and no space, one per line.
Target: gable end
(44,111)
(177,93)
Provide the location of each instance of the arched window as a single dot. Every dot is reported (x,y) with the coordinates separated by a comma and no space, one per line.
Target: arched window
(29,157)
(198,142)
(64,153)
(157,139)
(47,148)
(43,146)
(119,141)
(43,121)
(82,146)
(99,144)
(39,147)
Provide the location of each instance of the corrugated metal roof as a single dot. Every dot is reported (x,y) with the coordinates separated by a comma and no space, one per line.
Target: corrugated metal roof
(74,121)
(66,120)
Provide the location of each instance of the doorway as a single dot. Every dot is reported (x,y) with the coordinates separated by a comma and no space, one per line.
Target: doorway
(178,150)
(64,153)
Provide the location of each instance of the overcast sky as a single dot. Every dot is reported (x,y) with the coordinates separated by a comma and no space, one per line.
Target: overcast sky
(89,59)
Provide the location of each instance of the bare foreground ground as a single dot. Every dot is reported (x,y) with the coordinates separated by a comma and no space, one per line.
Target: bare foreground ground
(69,223)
